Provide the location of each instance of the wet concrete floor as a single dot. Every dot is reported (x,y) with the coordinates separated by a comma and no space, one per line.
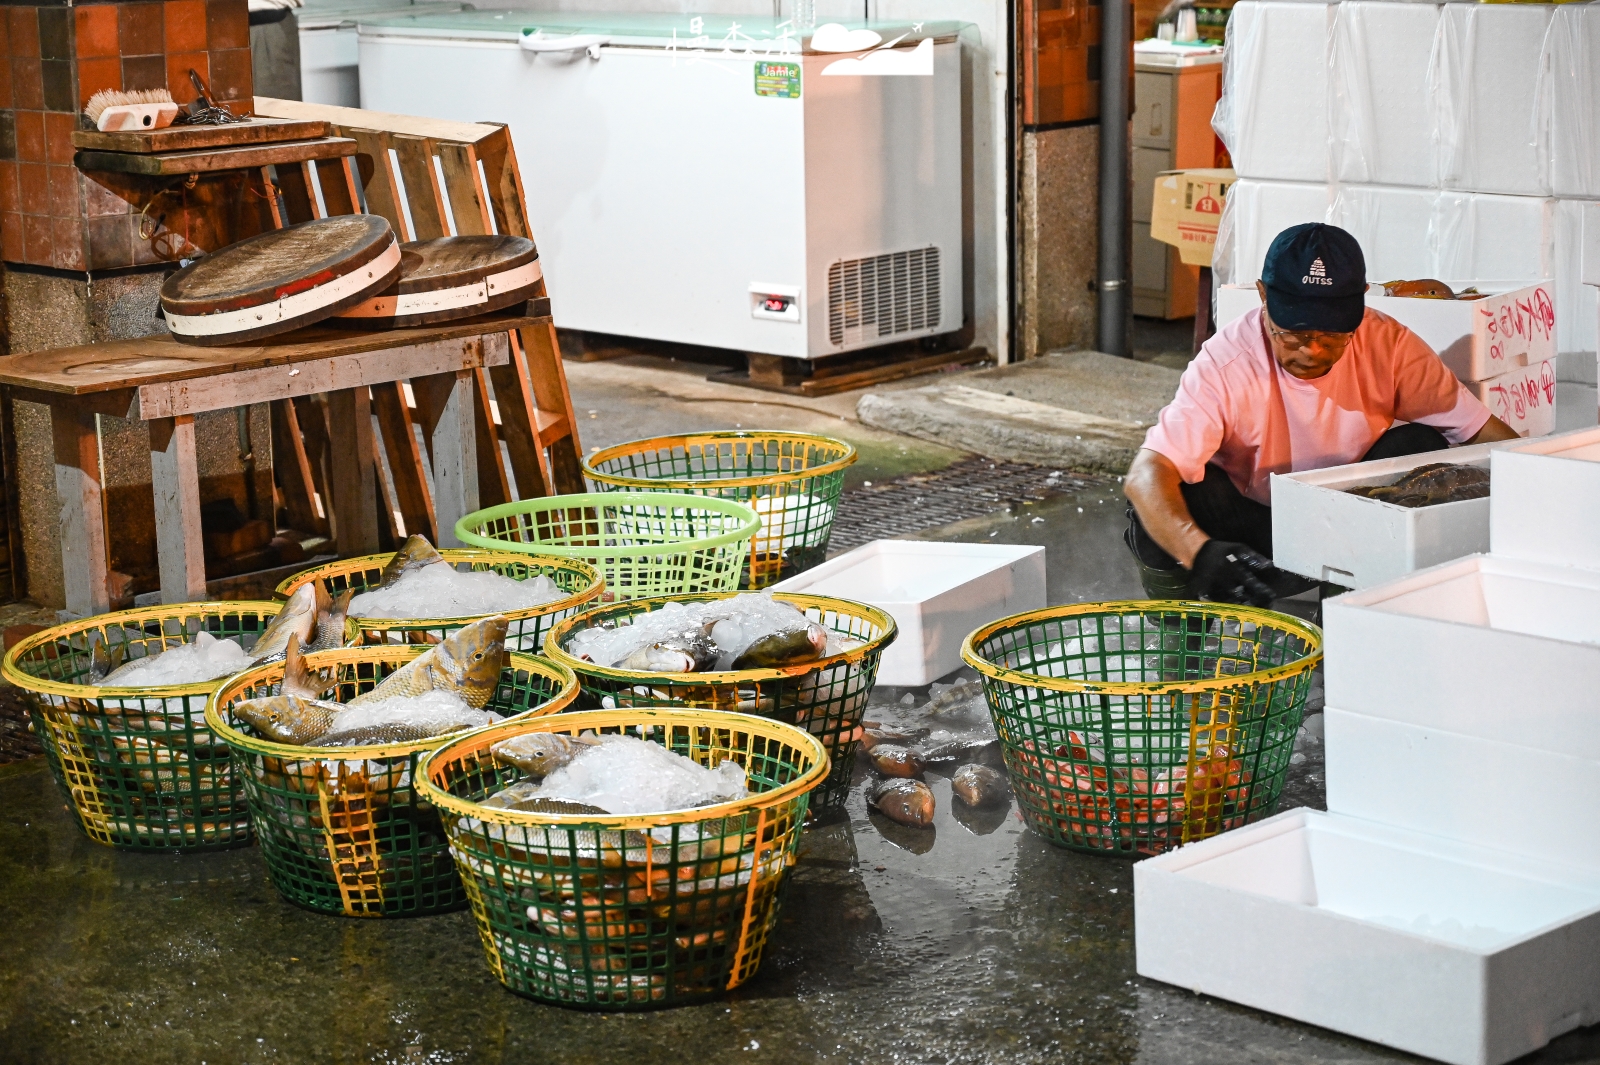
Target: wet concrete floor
(973,942)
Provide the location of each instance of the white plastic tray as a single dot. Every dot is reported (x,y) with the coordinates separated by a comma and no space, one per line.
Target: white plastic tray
(1547,500)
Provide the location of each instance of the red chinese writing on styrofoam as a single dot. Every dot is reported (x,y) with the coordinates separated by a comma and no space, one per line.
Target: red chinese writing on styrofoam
(1517,323)
(1515,401)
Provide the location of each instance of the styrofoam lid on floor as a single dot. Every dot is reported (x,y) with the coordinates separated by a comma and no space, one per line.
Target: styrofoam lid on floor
(909,571)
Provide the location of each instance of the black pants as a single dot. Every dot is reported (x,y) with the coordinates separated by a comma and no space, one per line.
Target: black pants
(1223,513)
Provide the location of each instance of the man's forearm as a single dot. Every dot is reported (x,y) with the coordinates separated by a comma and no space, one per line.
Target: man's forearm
(1493,429)
(1154,488)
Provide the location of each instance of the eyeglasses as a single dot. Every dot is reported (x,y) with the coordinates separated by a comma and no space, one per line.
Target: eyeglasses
(1324,341)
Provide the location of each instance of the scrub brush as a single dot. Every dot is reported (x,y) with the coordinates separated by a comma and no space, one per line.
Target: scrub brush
(111,110)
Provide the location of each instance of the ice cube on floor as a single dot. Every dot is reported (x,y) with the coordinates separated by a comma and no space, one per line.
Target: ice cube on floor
(203,658)
(442,591)
(435,710)
(625,775)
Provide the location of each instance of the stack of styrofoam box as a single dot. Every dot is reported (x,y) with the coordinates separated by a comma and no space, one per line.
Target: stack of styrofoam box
(1448,902)
(1453,140)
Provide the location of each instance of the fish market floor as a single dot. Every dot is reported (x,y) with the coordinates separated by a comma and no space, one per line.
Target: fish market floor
(973,942)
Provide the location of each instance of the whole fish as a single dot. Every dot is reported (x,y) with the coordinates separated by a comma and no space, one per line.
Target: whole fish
(388,732)
(784,648)
(298,680)
(467,662)
(539,754)
(895,761)
(687,651)
(297,618)
(414,554)
(106,660)
(960,750)
(910,802)
(872,736)
(539,804)
(287,718)
(978,785)
(330,620)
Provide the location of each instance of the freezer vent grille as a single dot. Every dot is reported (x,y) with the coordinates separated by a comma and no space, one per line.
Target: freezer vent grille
(883,295)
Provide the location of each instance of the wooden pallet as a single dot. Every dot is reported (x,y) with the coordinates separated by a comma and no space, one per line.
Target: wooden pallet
(430,178)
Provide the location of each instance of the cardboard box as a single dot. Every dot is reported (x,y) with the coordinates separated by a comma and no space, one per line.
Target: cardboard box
(936,592)
(1187,209)
(1547,500)
(1524,398)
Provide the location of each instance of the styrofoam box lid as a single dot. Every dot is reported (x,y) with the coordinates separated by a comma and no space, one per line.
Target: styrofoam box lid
(1485,646)
(904,572)
(1545,504)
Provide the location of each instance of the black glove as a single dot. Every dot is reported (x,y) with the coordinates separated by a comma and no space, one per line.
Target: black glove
(1232,573)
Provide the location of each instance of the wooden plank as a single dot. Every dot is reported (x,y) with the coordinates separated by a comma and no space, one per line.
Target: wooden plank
(549,381)
(413,499)
(552,427)
(163,400)
(206,160)
(313,183)
(298,201)
(493,486)
(383,188)
(354,487)
(175,480)
(378,121)
(505,183)
(274,201)
(422,186)
(452,440)
(293,470)
(189,138)
(338,192)
(468,204)
(118,365)
(312,420)
(515,399)
(81,517)
(391,526)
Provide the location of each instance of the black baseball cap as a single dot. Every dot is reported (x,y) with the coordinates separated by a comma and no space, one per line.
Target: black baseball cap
(1316,279)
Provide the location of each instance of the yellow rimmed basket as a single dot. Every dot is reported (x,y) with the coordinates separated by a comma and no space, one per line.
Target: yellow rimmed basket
(629,912)
(581,581)
(350,833)
(826,697)
(791,480)
(1134,727)
(138,766)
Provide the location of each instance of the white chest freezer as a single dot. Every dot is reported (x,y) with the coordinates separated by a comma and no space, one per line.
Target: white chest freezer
(328,49)
(711,179)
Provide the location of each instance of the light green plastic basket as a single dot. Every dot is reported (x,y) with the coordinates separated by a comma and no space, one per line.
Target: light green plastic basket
(643,543)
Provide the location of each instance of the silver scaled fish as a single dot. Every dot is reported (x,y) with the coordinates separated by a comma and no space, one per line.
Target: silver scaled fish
(298,680)
(386,732)
(330,619)
(287,718)
(297,618)
(467,662)
(539,754)
(414,554)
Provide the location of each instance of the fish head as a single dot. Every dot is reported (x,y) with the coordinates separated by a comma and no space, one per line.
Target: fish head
(414,554)
(474,656)
(284,718)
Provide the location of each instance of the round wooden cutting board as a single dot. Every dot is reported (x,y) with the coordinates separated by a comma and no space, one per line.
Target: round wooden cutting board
(280,281)
(448,278)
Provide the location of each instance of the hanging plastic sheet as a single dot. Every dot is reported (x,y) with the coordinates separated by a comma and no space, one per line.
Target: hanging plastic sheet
(1273,114)
(1571,64)
(1489,106)
(1381,127)
(1391,225)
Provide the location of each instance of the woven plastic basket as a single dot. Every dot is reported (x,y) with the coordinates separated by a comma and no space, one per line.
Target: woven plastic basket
(526,631)
(826,697)
(351,834)
(1137,726)
(791,480)
(618,912)
(138,766)
(643,543)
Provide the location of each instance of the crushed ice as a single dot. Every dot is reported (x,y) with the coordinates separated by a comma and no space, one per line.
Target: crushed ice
(736,623)
(625,775)
(203,658)
(442,591)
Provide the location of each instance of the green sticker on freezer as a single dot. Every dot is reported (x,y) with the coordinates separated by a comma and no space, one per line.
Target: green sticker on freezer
(778,79)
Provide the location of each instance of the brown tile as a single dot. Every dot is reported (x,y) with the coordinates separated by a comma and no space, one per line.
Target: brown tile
(57,77)
(144,250)
(33,186)
(230,75)
(27,84)
(227,24)
(109,243)
(24,26)
(58,137)
(8,134)
(97,74)
(64,192)
(5,77)
(37,236)
(144,72)
(30,136)
(55,33)
(185,25)
(97,30)
(178,67)
(5,34)
(11,238)
(139,29)
(68,250)
(10,202)
(99,201)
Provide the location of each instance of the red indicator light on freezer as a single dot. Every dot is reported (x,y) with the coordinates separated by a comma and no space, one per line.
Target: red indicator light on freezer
(775,304)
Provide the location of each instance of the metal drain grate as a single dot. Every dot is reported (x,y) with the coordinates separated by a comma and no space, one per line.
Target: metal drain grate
(970,488)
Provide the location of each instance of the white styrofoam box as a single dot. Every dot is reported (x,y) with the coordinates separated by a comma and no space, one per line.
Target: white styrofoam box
(1462,787)
(1380,56)
(1488,646)
(1475,235)
(1581,367)
(1391,224)
(1321,531)
(1257,211)
(1589,265)
(1234,301)
(936,592)
(1273,115)
(1524,398)
(1489,98)
(1572,63)
(1577,406)
(1456,952)
(1577,304)
(1546,496)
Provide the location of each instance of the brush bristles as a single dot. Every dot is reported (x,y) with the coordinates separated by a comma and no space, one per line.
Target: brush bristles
(114,97)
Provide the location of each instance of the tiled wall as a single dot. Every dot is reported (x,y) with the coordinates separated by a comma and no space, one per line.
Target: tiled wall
(54,59)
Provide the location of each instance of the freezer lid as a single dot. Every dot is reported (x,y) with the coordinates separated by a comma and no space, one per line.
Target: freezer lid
(330,14)
(715,33)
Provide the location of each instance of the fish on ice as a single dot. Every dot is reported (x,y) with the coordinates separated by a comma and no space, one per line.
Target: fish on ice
(748,631)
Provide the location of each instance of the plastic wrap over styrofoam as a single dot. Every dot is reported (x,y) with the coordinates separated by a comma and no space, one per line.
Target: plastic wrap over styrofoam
(1572,70)
(1477,235)
(1273,115)
(1577,304)
(1381,125)
(1391,224)
(1255,213)
(1491,107)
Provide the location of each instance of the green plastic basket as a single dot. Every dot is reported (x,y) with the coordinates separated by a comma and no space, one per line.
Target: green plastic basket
(351,834)
(527,627)
(826,697)
(643,543)
(138,766)
(629,912)
(791,480)
(1134,727)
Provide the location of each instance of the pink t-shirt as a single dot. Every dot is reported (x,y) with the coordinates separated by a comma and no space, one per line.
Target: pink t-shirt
(1238,408)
